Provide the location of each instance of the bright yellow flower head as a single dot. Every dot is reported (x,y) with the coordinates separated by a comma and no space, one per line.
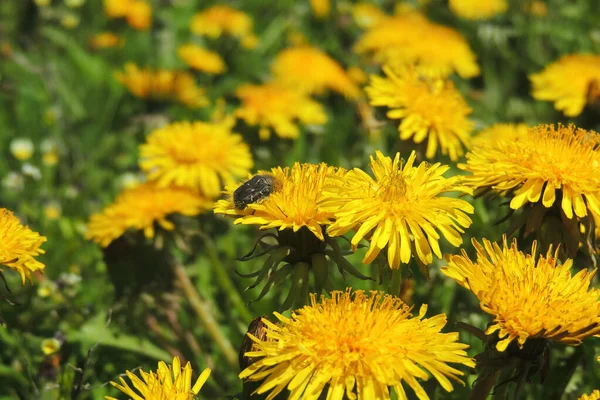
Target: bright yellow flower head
(196,155)
(201,59)
(595,395)
(570,83)
(223,20)
(274,106)
(105,40)
(355,343)
(116,8)
(19,246)
(139,15)
(546,160)
(312,71)
(401,208)
(139,208)
(410,38)
(367,15)
(500,132)
(168,382)
(478,9)
(292,204)
(430,108)
(320,8)
(530,297)
(162,85)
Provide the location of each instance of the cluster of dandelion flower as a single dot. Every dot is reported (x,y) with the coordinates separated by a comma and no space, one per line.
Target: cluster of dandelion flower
(429,108)
(168,382)
(221,20)
(138,13)
(354,344)
(162,84)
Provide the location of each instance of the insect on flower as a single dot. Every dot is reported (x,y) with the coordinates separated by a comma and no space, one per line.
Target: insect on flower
(254,190)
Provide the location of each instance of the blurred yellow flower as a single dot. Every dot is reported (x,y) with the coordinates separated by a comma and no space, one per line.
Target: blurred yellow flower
(410,38)
(354,343)
(595,395)
(21,148)
(478,9)
(499,133)
(74,3)
(292,204)
(139,208)
(312,71)
(320,8)
(274,106)
(530,297)
(546,160)
(52,210)
(19,246)
(50,346)
(201,59)
(196,155)
(570,83)
(430,108)
(536,7)
(42,3)
(105,40)
(223,20)
(162,85)
(137,12)
(169,382)
(401,208)
(367,15)
(69,20)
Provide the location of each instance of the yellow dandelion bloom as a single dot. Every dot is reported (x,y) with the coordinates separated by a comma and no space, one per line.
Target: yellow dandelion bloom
(162,85)
(367,15)
(168,382)
(19,246)
(500,132)
(292,204)
(430,108)
(409,38)
(116,8)
(530,297)
(312,71)
(223,20)
(139,208)
(570,83)
(534,168)
(201,59)
(196,155)
(320,8)
(595,395)
(274,106)
(355,344)
(478,9)
(105,40)
(401,208)
(139,15)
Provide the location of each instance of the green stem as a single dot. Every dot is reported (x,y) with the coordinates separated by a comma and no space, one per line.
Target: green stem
(482,387)
(396,282)
(202,309)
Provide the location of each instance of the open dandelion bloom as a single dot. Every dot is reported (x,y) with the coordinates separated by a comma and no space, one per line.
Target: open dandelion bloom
(478,9)
(499,133)
(312,71)
(356,344)
(105,40)
(196,155)
(409,38)
(19,246)
(162,85)
(530,297)
(595,395)
(430,108)
(548,164)
(400,208)
(292,203)
(139,208)
(137,12)
(168,382)
(274,106)
(570,83)
(201,59)
(223,20)
(320,8)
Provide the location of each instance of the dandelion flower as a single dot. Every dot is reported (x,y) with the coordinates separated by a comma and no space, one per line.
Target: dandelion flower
(401,208)
(478,9)
(168,382)
(529,297)
(367,15)
(201,59)
(21,148)
(312,71)
(274,106)
(137,12)
(500,132)
(196,155)
(430,108)
(139,208)
(19,246)
(320,8)
(356,344)
(105,40)
(570,83)
(223,20)
(116,8)
(595,395)
(409,38)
